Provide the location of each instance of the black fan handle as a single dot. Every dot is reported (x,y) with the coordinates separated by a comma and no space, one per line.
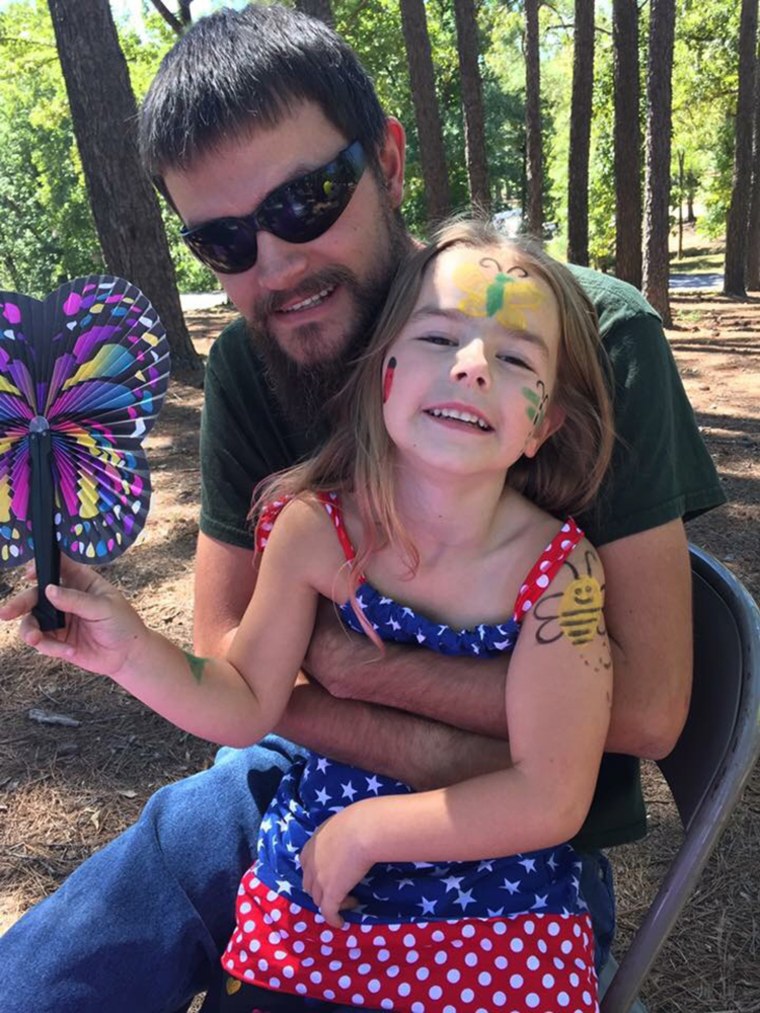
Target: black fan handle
(47,555)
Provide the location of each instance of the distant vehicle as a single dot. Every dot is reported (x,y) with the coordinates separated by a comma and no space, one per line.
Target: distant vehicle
(512,224)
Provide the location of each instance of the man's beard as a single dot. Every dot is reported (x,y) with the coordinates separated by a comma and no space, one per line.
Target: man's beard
(304,390)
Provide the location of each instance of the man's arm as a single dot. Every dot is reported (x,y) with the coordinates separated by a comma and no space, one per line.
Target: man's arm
(224,583)
(648,610)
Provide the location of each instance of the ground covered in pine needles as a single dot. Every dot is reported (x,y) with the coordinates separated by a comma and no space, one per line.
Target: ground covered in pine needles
(66,789)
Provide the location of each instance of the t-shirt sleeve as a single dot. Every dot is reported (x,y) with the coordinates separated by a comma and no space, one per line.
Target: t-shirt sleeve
(660,468)
(243,438)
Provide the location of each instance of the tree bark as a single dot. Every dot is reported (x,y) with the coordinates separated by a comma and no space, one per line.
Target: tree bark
(753,232)
(426,112)
(472,103)
(321,9)
(737,232)
(534,168)
(627,141)
(656,268)
(580,133)
(124,206)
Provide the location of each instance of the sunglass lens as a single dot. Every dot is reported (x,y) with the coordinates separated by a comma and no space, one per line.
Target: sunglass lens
(226,246)
(307,208)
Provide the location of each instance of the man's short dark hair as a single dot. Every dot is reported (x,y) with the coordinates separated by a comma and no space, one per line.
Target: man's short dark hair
(236,71)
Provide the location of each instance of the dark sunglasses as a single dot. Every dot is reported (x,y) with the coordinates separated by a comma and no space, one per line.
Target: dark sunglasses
(298,211)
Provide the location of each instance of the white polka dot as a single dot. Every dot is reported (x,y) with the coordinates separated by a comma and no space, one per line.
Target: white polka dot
(393,971)
(529,928)
(301,988)
(386,1004)
(574,980)
(437,936)
(499,928)
(379,940)
(245,907)
(354,953)
(287,971)
(248,974)
(422,973)
(344,981)
(516,981)
(409,940)
(501,963)
(280,954)
(484,978)
(249,926)
(499,999)
(325,950)
(373,985)
(316,977)
(326,936)
(294,909)
(329,994)
(532,1000)
(471,959)
(517,945)
(263,965)
(468,930)
(298,946)
(271,896)
(243,957)
(587,998)
(542,947)
(404,988)
(275,915)
(486,944)
(351,940)
(559,964)
(357,999)
(299,927)
(254,946)
(542,581)
(533,963)
(527,605)
(412,957)
(308,962)
(364,968)
(566,946)
(576,930)
(563,999)
(274,983)
(453,976)
(553,929)
(467,995)
(418,1007)
(383,954)
(441,957)
(580,964)
(435,992)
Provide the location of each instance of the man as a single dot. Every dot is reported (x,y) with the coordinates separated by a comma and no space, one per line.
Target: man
(250,130)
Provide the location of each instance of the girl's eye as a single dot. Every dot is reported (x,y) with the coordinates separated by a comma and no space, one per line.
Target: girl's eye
(437,339)
(514,360)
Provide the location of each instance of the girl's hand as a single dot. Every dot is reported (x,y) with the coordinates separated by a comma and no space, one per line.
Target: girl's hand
(102,628)
(335,858)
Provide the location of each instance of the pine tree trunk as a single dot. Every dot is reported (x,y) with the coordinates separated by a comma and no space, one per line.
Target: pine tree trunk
(580,133)
(753,232)
(124,206)
(533,143)
(656,268)
(627,141)
(426,113)
(737,232)
(321,9)
(472,103)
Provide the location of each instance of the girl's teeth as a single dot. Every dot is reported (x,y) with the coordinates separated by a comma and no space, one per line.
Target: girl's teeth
(451,413)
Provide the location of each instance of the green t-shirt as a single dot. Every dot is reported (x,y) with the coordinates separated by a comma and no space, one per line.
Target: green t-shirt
(660,471)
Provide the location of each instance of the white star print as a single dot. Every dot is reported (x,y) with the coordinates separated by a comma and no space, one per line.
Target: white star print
(512,887)
(322,764)
(322,797)
(428,906)
(348,790)
(464,899)
(540,902)
(283,886)
(393,624)
(373,784)
(529,864)
(453,882)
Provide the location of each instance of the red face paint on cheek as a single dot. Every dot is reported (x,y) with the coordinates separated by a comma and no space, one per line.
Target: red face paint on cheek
(390,369)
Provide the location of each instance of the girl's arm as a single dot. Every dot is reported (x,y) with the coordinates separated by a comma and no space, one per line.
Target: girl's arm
(233,700)
(558,700)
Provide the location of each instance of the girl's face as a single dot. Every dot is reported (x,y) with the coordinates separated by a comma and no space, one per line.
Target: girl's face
(468,381)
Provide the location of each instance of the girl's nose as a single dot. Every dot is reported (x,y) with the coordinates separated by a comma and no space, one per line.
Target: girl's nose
(471,366)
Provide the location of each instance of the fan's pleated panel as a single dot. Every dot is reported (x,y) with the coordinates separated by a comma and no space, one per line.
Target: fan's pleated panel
(93,360)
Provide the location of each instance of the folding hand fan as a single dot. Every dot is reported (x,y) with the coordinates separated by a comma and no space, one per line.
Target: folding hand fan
(83,375)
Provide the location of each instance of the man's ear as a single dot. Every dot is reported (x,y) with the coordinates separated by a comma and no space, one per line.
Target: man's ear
(550,423)
(393,159)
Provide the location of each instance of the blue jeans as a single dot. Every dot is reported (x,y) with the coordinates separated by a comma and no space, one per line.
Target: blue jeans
(139,927)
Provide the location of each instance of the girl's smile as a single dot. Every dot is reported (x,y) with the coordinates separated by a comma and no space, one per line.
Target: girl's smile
(468,380)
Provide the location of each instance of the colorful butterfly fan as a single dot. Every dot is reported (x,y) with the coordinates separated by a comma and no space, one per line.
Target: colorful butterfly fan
(83,375)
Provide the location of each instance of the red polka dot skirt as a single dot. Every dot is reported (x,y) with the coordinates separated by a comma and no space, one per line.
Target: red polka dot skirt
(542,962)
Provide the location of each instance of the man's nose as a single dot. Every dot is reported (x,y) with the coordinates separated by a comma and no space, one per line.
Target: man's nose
(471,367)
(280,265)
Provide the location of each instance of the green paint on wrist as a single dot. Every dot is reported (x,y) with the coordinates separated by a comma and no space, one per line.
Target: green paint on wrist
(196,665)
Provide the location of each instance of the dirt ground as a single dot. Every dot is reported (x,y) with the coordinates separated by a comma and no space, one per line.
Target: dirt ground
(66,789)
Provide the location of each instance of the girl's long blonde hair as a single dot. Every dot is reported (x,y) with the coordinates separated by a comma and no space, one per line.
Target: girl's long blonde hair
(562,478)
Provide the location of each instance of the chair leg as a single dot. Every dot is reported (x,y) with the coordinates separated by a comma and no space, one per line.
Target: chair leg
(605,978)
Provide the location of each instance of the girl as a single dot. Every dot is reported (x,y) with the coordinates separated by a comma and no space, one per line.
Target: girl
(484,367)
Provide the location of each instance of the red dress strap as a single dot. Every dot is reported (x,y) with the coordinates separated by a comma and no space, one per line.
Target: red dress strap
(546,567)
(331,502)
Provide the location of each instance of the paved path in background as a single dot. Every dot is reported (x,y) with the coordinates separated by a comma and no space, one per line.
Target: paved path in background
(202,300)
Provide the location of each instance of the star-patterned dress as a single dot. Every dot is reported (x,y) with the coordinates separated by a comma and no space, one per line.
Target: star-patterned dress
(508,933)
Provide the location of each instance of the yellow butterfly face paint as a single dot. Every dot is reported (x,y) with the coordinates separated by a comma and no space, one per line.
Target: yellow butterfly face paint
(490,291)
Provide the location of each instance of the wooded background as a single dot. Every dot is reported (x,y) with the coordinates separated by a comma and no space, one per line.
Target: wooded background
(598,125)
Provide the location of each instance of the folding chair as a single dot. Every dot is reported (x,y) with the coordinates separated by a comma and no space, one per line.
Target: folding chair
(712,760)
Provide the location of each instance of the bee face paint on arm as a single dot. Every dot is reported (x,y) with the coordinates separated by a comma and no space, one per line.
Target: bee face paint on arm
(390,369)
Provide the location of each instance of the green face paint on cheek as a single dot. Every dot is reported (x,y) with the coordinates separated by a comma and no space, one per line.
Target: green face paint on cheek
(537,402)
(196,666)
